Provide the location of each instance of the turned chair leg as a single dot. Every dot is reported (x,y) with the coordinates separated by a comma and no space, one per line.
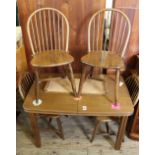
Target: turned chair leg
(95,130)
(36,85)
(69,71)
(107,127)
(86,71)
(60,127)
(49,121)
(117,85)
(59,124)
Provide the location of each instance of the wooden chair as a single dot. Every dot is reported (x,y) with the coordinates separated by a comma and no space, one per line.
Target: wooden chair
(133,88)
(105,54)
(48,33)
(25,82)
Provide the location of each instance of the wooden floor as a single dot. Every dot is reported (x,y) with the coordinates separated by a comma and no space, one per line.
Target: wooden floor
(77,131)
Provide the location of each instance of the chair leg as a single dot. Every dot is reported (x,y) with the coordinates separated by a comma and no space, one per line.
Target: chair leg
(60,127)
(117,85)
(86,71)
(107,127)
(36,85)
(72,80)
(95,130)
(49,121)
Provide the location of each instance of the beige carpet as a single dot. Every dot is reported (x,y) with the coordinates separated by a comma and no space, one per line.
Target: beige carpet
(77,131)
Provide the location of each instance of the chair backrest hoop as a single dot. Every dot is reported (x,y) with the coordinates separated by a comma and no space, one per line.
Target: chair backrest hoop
(51,9)
(114,10)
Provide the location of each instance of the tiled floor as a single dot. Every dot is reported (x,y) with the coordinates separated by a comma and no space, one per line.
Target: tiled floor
(77,131)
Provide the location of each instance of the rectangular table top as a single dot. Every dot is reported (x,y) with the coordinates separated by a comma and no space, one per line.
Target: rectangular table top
(89,105)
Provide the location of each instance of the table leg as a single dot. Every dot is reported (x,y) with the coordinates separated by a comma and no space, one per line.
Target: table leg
(85,72)
(121,131)
(35,129)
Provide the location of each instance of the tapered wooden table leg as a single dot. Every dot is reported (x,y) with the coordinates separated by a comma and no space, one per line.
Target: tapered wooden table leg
(35,129)
(86,70)
(121,131)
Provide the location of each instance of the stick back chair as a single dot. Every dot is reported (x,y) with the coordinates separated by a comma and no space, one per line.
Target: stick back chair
(25,82)
(132,84)
(48,33)
(108,36)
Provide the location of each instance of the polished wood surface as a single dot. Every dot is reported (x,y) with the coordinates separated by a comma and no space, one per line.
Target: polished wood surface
(51,59)
(65,104)
(103,59)
(52,103)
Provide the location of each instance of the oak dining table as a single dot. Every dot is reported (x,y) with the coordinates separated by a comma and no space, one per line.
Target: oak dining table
(64,103)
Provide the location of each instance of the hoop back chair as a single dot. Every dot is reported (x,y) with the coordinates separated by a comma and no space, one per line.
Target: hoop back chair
(132,84)
(25,82)
(48,29)
(112,24)
(108,36)
(48,33)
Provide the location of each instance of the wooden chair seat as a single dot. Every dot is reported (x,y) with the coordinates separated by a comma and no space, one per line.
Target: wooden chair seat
(51,58)
(103,59)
